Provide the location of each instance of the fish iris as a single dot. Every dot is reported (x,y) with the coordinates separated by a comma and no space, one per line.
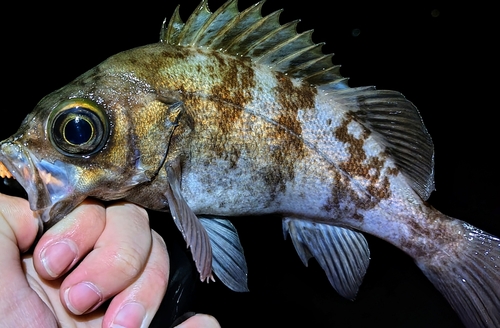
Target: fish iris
(78,127)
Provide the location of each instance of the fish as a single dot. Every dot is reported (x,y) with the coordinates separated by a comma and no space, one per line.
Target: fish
(266,175)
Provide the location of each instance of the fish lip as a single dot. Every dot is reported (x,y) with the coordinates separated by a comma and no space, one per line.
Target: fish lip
(20,163)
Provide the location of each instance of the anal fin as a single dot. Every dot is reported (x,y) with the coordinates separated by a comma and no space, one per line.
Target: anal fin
(188,224)
(342,253)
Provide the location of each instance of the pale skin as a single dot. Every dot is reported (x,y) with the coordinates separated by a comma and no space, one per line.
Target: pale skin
(95,254)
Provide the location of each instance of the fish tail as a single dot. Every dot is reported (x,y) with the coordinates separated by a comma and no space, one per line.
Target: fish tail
(469,280)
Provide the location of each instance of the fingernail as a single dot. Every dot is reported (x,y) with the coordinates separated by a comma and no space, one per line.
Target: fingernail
(131,315)
(82,297)
(58,257)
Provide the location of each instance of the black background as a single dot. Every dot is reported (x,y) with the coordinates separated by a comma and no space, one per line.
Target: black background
(441,56)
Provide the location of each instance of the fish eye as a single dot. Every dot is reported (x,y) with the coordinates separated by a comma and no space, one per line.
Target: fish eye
(78,127)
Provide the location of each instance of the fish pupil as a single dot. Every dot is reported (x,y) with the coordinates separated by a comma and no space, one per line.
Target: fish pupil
(78,131)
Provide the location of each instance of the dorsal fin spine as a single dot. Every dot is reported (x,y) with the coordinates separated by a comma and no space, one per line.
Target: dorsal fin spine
(321,77)
(250,36)
(263,39)
(276,37)
(306,62)
(191,29)
(222,17)
(235,26)
(288,63)
(289,46)
(170,32)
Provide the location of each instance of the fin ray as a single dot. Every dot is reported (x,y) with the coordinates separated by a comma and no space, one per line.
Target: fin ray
(398,125)
(248,33)
(342,253)
(192,29)
(192,230)
(216,22)
(271,39)
(470,281)
(228,260)
(170,31)
(253,34)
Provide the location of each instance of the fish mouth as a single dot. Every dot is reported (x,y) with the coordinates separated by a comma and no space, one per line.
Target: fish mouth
(20,166)
(45,184)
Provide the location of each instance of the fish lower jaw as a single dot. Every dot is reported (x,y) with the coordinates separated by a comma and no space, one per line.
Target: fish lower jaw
(16,163)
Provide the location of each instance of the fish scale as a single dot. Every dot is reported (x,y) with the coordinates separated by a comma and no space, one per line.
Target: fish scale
(248,117)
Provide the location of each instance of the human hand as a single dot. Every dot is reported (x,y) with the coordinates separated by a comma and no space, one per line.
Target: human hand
(95,255)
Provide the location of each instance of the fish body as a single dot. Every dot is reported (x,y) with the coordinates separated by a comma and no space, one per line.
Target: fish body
(233,114)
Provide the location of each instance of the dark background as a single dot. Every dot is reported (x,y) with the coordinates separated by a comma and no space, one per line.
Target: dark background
(441,56)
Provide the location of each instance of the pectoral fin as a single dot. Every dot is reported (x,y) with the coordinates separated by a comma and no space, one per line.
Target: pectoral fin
(341,252)
(192,230)
(229,262)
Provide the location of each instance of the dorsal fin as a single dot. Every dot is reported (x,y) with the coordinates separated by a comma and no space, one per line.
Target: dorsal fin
(262,38)
(394,120)
(397,124)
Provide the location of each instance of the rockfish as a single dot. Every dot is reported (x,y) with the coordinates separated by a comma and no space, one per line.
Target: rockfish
(233,114)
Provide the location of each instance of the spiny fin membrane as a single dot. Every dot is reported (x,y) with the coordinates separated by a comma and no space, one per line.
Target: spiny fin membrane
(263,39)
(342,253)
(228,261)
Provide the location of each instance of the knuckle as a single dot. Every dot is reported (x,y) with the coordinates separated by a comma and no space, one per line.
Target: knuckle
(128,261)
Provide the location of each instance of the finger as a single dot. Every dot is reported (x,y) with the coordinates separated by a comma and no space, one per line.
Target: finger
(200,320)
(68,241)
(138,303)
(118,258)
(18,230)
(19,223)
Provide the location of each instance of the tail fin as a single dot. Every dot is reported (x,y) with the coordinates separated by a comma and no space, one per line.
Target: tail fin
(471,281)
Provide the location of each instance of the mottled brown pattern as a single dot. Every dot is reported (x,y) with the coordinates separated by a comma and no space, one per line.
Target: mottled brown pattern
(294,97)
(148,64)
(333,202)
(217,98)
(288,130)
(236,88)
(230,97)
(439,230)
(354,165)
(358,165)
(342,192)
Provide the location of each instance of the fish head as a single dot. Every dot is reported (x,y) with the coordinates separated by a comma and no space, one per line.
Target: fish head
(99,136)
